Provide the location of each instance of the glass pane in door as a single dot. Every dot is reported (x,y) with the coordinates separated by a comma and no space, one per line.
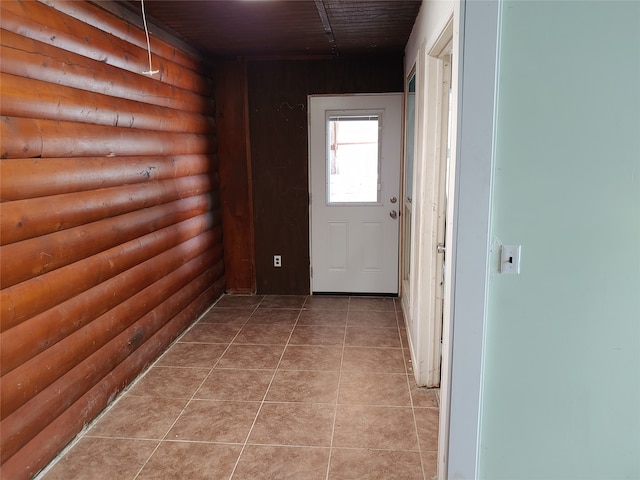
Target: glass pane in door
(353,166)
(410,126)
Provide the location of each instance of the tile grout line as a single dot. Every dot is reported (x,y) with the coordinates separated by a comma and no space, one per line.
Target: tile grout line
(264,397)
(163,439)
(335,413)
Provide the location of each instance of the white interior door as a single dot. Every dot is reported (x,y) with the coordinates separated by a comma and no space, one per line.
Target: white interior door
(442,195)
(354,156)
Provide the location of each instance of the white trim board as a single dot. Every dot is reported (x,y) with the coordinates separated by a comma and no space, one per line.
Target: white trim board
(469,237)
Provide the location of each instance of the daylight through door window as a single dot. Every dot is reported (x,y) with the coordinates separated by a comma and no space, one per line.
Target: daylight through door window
(353,159)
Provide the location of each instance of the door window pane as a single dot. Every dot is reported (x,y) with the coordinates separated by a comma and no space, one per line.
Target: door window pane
(410,126)
(353,166)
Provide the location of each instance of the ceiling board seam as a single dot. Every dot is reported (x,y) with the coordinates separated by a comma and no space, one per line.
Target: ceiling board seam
(326,24)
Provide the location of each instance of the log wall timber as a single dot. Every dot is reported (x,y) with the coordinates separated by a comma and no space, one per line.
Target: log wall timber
(110,215)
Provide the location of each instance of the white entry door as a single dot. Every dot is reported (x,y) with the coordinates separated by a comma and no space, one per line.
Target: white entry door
(354,156)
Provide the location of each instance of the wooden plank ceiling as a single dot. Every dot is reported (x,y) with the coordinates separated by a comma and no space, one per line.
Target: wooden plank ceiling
(226,28)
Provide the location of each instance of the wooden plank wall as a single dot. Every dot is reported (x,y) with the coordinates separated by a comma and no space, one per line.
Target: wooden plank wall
(278,92)
(110,224)
(235,175)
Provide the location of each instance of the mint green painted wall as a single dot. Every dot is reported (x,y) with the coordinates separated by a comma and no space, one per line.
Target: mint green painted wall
(561,375)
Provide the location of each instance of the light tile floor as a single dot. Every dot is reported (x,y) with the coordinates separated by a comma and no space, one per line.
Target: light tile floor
(271,387)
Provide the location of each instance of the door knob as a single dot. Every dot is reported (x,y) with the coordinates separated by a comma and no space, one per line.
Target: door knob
(393,214)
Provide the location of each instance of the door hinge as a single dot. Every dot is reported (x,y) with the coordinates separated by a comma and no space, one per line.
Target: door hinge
(311,272)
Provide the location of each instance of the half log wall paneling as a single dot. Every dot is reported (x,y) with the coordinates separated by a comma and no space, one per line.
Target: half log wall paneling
(110,215)
(278,92)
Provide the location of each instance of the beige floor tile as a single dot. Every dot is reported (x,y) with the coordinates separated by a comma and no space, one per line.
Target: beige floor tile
(311,358)
(231,315)
(235,385)
(373,337)
(317,335)
(380,360)
(139,417)
(364,388)
(423,397)
(282,463)
(430,465)
(270,316)
(283,301)
(102,459)
(239,301)
(372,319)
(372,303)
(257,334)
(192,461)
(211,333)
(361,464)
(427,423)
(305,424)
(403,338)
(264,334)
(251,357)
(192,355)
(406,353)
(336,318)
(304,386)
(213,421)
(375,427)
(169,382)
(321,302)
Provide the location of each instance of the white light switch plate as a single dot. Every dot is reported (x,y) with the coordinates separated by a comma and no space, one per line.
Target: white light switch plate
(510,259)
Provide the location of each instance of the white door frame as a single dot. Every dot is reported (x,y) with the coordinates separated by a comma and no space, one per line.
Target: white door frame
(422,295)
(356,270)
(469,238)
(439,81)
